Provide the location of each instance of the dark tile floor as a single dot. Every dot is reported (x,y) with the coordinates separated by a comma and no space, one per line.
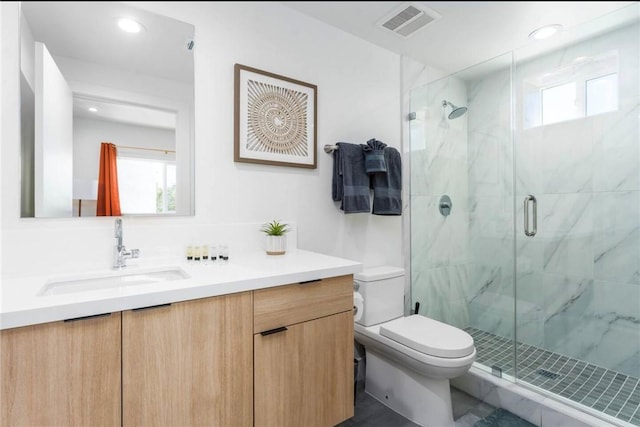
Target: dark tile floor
(467,411)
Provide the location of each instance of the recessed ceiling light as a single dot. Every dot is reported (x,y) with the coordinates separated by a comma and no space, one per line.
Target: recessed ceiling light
(545,32)
(129,25)
(93,109)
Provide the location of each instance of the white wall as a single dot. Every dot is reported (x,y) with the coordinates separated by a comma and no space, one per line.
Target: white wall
(53,138)
(88,134)
(27,58)
(27,122)
(358,99)
(9,28)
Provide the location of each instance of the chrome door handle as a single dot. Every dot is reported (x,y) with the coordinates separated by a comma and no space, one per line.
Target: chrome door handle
(530,199)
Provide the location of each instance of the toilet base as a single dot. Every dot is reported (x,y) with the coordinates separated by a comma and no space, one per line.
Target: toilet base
(425,401)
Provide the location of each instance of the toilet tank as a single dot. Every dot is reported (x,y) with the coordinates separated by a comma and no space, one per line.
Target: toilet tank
(382,290)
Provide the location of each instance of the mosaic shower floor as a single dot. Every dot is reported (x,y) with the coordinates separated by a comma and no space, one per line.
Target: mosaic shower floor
(613,393)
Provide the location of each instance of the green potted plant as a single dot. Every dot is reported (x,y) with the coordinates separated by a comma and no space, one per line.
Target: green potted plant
(276,239)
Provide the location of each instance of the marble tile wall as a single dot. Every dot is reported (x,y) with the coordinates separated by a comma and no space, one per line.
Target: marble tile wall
(490,288)
(439,162)
(578,280)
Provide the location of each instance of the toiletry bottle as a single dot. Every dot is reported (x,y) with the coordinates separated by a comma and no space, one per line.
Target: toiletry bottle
(224,253)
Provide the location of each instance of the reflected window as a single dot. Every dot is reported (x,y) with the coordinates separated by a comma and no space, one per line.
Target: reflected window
(147,185)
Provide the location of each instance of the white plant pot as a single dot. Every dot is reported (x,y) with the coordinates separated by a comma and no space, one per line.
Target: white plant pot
(276,245)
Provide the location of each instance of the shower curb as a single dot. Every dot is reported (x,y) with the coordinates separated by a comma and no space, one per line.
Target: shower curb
(528,404)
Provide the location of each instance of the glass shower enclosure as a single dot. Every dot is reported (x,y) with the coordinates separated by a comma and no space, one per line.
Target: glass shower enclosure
(525,213)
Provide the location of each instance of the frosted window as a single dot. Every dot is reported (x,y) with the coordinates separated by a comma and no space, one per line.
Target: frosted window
(602,94)
(559,104)
(146,186)
(583,87)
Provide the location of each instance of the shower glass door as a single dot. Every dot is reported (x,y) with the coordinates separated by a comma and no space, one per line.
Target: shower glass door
(525,213)
(577,172)
(462,209)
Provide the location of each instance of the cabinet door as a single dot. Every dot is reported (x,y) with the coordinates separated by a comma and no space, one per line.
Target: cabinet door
(61,373)
(189,364)
(304,375)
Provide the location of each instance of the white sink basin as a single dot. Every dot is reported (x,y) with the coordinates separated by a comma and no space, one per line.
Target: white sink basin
(114,279)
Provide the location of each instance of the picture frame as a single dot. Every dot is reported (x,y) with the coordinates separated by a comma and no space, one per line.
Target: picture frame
(275,119)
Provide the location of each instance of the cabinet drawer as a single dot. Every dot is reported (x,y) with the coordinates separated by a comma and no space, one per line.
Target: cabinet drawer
(286,305)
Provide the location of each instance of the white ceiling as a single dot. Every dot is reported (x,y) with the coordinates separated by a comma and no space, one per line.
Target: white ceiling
(121,112)
(87,31)
(467,34)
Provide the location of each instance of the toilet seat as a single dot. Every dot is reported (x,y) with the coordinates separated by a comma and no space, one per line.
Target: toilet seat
(370,336)
(429,336)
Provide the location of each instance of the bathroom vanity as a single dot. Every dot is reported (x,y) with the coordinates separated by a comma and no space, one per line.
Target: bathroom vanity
(261,341)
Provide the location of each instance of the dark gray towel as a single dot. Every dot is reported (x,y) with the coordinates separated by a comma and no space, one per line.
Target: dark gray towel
(387,187)
(350,183)
(337,181)
(374,156)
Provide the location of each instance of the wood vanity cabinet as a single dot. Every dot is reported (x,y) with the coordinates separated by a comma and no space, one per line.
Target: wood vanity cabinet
(189,363)
(61,373)
(303,354)
(273,357)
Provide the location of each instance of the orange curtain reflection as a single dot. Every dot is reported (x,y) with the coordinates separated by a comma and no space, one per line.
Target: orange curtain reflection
(108,194)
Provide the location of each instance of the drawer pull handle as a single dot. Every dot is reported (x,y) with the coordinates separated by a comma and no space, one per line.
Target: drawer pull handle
(309,281)
(151,307)
(75,319)
(273,331)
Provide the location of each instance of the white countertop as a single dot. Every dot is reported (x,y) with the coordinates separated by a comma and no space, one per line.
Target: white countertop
(21,304)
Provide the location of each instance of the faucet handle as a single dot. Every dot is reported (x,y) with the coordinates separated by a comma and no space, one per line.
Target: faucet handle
(135,253)
(118,227)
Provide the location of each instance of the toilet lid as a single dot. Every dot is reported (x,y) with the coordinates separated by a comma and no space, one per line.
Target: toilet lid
(429,336)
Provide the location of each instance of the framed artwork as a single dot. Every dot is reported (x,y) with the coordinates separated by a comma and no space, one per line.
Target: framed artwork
(275,119)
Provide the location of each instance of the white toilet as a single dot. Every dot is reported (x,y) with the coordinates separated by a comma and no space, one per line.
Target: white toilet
(409,360)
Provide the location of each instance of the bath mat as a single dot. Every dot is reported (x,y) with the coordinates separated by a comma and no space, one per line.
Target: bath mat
(502,418)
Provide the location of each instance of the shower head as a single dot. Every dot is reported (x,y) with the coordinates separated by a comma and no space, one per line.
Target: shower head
(455,111)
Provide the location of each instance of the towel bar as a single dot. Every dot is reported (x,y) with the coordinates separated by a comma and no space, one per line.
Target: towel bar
(330,148)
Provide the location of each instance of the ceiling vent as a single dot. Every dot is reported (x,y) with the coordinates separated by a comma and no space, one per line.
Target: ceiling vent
(409,18)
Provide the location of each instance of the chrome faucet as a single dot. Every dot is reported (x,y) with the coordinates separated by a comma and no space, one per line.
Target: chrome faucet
(120,253)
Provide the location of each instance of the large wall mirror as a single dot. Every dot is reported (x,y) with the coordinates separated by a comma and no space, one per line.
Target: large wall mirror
(91,81)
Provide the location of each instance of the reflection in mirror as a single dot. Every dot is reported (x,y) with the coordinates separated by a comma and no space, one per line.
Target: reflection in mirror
(85,82)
